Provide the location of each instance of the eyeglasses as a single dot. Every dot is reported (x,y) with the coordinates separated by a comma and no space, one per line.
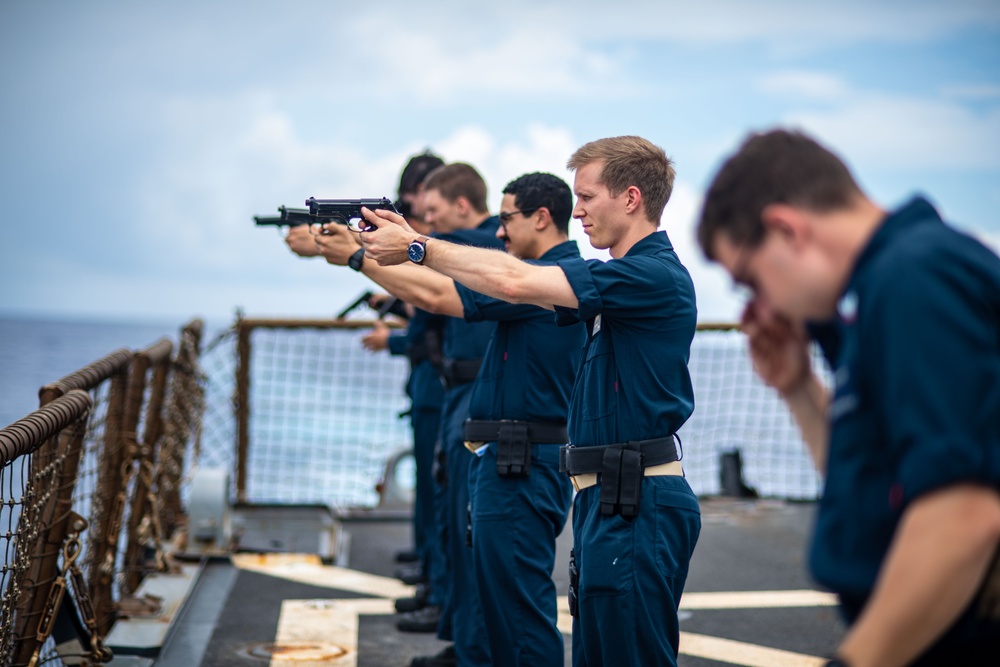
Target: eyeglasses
(505,216)
(744,286)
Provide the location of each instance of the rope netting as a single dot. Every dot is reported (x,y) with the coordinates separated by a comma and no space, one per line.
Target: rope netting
(736,412)
(322,414)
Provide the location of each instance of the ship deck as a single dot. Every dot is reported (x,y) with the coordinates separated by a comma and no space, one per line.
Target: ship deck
(288,599)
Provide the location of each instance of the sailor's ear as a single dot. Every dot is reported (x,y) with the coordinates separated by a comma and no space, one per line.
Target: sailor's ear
(789,222)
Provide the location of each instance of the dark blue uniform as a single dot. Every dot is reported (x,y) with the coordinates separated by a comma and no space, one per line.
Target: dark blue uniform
(462,616)
(916,406)
(633,385)
(426,395)
(527,375)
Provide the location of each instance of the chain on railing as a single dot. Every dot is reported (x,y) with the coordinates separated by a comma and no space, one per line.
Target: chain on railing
(141,453)
(71,573)
(52,438)
(185,406)
(133,492)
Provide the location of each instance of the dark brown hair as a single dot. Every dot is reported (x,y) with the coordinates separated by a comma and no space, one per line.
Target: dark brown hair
(458,180)
(779,166)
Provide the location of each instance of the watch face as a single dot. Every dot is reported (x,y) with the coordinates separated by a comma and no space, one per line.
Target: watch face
(415,251)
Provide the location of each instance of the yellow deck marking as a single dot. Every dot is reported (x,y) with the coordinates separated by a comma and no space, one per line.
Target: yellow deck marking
(308,623)
(335,622)
(308,569)
(741,653)
(250,560)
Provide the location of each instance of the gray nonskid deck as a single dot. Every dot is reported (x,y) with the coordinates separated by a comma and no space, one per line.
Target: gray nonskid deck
(747,595)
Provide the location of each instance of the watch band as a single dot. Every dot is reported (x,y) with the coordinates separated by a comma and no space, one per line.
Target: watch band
(357,259)
(421,242)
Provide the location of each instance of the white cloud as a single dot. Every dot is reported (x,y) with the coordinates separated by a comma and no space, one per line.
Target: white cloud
(526,48)
(715,297)
(788,26)
(805,84)
(442,66)
(891,130)
(536,148)
(710,21)
(221,184)
(240,121)
(907,133)
(985,91)
(199,202)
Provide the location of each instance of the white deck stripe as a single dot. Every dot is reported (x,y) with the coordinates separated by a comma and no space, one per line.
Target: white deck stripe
(744,600)
(757,600)
(317,622)
(741,653)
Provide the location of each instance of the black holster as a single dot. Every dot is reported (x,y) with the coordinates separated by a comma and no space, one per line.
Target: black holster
(514,439)
(513,450)
(621,467)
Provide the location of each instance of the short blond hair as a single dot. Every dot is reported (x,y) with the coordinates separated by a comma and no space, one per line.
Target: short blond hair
(631,161)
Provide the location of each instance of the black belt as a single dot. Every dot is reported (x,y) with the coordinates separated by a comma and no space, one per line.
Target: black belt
(455,372)
(514,439)
(481,430)
(621,466)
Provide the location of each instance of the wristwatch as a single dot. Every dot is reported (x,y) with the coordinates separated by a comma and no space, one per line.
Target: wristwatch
(357,259)
(417,250)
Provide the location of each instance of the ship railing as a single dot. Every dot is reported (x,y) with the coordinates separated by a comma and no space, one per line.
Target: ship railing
(90,495)
(300,413)
(311,417)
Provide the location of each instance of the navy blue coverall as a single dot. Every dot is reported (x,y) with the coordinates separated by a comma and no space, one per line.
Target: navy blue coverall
(527,375)
(426,393)
(462,614)
(916,406)
(633,385)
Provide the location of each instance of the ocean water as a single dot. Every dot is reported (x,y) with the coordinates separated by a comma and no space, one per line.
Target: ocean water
(34,352)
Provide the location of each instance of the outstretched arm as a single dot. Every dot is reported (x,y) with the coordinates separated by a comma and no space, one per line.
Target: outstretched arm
(489,272)
(413,284)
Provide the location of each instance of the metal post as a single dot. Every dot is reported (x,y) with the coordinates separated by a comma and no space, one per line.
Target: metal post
(242,406)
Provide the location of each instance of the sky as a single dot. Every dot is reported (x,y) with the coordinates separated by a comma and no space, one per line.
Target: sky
(142,138)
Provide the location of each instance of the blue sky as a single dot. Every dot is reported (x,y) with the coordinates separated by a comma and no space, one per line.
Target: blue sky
(137,140)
